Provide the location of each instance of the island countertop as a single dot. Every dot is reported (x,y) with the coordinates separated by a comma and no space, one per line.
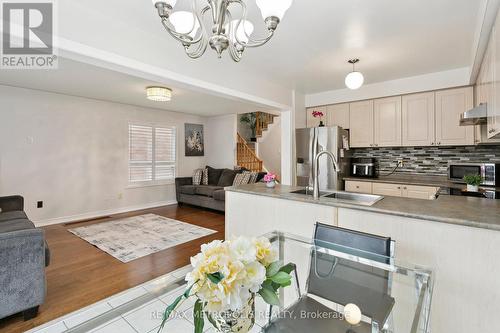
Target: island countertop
(466,211)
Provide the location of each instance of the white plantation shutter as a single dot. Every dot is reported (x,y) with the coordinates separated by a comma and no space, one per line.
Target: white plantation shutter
(151,153)
(165,153)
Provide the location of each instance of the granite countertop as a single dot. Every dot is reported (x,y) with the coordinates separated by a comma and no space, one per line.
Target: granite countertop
(467,211)
(412,179)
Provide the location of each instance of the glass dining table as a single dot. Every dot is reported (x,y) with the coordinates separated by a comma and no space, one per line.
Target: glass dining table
(380,293)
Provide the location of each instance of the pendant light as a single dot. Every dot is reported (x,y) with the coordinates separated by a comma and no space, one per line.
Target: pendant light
(354,80)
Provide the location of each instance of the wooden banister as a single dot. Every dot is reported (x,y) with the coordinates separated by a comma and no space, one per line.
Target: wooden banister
(263,120)
(246,157)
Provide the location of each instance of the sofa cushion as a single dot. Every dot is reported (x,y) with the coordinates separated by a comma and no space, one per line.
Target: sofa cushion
(188,189)
(227,177)
(242,178)
(220,195)
(214,175)
(15,225)
(12,215)
(207,190)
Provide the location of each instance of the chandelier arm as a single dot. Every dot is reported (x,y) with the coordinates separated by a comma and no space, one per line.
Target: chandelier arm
(233,51)
(202,46)
(182,38)
(251,41)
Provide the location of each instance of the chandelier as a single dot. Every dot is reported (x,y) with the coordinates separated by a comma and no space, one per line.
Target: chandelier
(227,31)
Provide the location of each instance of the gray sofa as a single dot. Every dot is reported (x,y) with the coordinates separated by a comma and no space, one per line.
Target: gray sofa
(24,254)
(210,196)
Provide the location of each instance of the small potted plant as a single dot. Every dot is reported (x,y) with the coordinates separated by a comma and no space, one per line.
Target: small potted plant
(319,114)
(270,179)
(473,182)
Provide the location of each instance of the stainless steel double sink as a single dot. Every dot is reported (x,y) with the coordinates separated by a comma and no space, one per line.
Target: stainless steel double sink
(345,197)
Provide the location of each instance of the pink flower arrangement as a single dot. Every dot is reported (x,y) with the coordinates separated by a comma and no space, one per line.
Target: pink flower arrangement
(269,177)
(317,114)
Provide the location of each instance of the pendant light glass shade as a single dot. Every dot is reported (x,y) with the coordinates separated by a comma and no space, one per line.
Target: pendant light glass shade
(185,22)
(275,8)
(159,94)
(354,80)
(245,29)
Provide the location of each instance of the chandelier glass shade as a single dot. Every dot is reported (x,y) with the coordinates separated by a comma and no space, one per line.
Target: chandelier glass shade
(227,30)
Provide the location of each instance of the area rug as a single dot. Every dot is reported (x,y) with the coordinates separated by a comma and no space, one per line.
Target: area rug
(138,236)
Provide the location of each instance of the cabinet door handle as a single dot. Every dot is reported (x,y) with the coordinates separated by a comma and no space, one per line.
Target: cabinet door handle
(432,143)
(439,143)
(357,186)
(404,188)
(492,130)
(399,187)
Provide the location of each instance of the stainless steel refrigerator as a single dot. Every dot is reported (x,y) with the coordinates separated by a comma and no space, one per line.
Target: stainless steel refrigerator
(310,141)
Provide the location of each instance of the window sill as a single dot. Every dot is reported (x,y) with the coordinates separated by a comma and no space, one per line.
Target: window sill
(140,185)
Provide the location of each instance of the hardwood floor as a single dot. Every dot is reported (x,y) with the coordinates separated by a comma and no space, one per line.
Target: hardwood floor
(81,274)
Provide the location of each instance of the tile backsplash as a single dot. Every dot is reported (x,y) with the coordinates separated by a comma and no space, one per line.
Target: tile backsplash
(428,160)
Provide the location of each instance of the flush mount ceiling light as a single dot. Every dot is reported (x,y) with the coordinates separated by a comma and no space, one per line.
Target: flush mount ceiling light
(354,80)
(159,94)
(226,32)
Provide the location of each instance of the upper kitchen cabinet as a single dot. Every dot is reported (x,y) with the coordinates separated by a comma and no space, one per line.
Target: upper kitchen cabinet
(387,122)
(361,124)
(314,122)
(338,115)
(494,109)
(450,104)
(418,116)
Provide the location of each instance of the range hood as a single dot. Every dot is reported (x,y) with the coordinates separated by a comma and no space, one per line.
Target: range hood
(476,116)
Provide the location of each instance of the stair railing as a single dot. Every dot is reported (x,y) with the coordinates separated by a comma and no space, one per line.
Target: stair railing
(246,157)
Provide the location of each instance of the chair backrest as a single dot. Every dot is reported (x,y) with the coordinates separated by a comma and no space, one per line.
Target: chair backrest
(325,234)
(342,281)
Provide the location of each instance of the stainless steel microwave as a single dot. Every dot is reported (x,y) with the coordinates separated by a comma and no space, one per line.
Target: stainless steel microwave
(490,172)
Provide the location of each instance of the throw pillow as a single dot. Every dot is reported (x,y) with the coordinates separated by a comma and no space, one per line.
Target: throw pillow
(253,177)
(214,175)
(242,178)
(197,176)
(204,180)
(227,178)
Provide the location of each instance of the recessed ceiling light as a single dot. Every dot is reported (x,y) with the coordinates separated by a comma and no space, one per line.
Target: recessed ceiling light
(354,80)
(159,94)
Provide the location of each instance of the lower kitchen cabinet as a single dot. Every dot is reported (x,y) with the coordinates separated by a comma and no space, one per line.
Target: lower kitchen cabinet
(392,190)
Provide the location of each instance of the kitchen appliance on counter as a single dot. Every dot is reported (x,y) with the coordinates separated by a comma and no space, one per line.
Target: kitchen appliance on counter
(309,142)
(490,172)
(488,193)
(363,167)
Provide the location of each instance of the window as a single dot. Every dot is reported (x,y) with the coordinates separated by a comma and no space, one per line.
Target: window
(152,154)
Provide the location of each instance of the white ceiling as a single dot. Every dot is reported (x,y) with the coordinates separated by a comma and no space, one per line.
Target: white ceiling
(393,39)
(79,79)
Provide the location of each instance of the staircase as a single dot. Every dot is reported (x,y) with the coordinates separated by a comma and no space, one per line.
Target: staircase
(263,120)
(245,152)
(246,157)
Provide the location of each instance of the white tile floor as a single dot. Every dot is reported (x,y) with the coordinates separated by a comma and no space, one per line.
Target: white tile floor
(146,318)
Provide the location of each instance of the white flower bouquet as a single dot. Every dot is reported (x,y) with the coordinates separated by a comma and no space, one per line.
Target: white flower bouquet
(227,275)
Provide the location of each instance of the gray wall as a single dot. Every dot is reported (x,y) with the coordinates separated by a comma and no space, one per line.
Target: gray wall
(428,160)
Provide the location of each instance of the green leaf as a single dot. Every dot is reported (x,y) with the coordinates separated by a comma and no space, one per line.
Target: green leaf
(288,268)
(269,296)
(216,277)
(281,278)
(273,268)
(198,317)
(188,290)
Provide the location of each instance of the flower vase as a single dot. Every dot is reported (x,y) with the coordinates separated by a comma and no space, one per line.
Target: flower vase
(321,124)
(271,184)
(472,188)
(241,321)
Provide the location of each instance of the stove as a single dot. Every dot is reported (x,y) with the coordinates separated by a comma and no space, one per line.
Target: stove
(484,192)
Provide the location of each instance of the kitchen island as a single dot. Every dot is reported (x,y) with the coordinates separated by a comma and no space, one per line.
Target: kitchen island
(459,237)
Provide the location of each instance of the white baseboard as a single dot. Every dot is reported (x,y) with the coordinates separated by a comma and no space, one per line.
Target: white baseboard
(92,215)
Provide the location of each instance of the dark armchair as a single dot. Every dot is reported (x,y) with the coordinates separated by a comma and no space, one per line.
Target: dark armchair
(23,257)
